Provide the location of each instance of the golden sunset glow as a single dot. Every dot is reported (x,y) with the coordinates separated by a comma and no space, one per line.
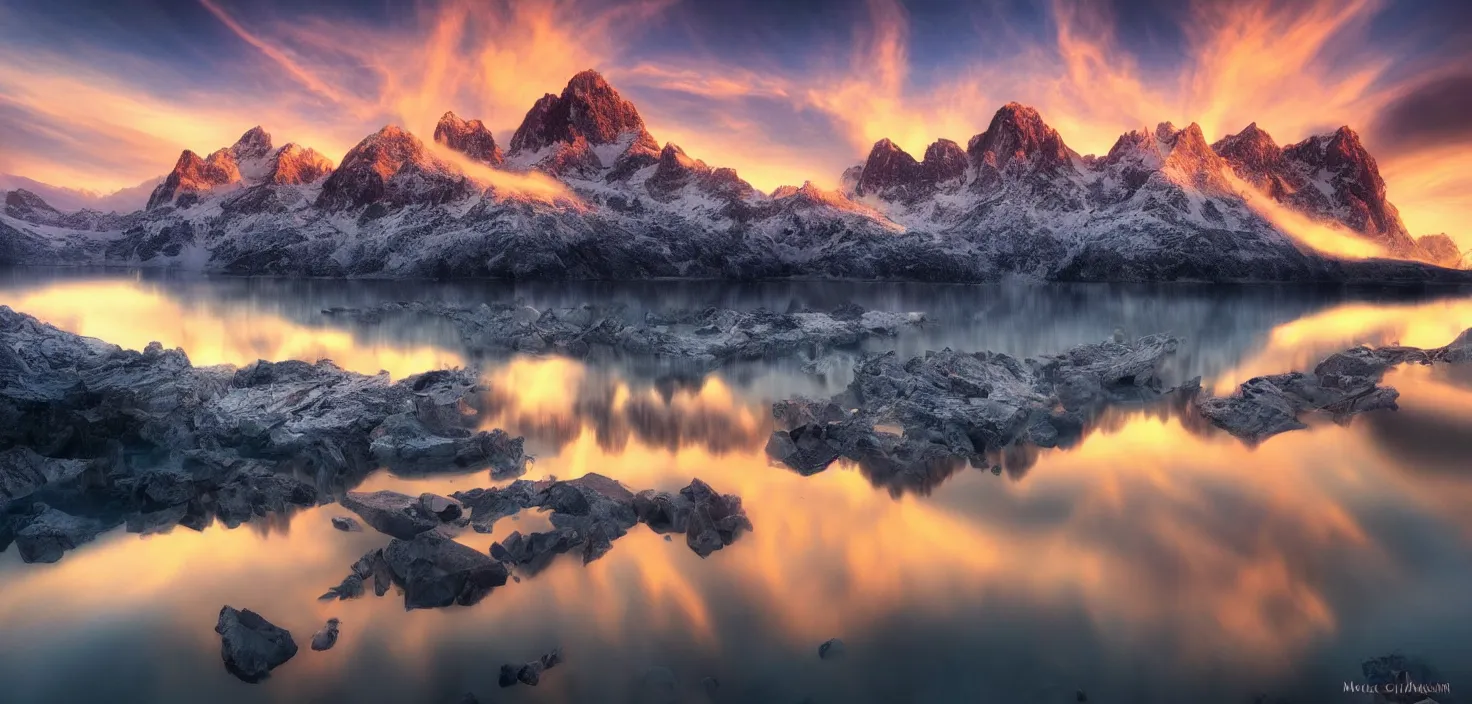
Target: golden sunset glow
(1294,68)
(131,315)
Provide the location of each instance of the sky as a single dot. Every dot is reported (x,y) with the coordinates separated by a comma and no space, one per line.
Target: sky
(104,95)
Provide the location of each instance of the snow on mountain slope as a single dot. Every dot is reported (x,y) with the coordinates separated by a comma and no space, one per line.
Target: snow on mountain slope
(1016,201)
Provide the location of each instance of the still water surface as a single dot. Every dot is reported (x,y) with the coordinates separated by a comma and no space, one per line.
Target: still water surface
(1156,561)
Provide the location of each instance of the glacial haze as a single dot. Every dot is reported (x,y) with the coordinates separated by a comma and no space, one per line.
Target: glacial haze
(103,97)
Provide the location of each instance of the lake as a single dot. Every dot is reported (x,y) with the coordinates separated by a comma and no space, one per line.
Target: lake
(1157,560)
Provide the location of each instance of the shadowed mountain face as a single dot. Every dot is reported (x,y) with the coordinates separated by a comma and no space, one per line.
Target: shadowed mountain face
(587,192)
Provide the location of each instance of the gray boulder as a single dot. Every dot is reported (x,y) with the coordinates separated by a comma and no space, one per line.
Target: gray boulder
(49,533)
(250,645)
(391,513)
(435,571)
(327,637)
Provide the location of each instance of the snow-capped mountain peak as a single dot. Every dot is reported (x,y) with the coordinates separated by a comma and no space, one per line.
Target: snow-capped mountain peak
(469,137)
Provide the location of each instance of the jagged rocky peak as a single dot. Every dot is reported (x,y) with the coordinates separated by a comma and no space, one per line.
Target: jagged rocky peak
(295,164)
(1439,249)
(390,165)
(675,169)
(1255,158)
(469,137)
(887,168)
(1332,177)
(1017,140)
(892,174)
(588,108)
(254,144)
(192,175)
(1191,159)
(25,205)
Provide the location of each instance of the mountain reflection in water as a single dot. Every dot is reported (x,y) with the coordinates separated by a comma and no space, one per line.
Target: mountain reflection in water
(1157,560)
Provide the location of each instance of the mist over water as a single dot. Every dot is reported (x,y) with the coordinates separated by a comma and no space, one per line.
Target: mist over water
(1157,560)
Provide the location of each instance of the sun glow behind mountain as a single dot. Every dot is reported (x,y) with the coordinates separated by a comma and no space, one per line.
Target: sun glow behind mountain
(325,78)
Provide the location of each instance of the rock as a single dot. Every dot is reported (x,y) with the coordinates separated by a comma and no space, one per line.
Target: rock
(250,645)
(490,505)
(48,533)
(350,588)
(439,507)
(530,673)
(391,513)
(1345,384)
(709,520)
(711,686)
(346,523)
(1079,696)
(658,686)
(436,571)
(830,649)
(162,434)
(23,471)
(327,637)
(919,420)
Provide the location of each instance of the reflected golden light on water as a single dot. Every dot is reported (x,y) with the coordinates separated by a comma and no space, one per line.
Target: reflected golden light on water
(132,314)
(1159,534)
(1301,344)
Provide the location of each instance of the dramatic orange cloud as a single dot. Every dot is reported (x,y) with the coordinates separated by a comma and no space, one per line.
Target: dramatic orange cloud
(1294,68)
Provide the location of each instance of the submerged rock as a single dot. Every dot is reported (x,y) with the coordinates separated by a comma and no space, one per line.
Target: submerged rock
(327,637)
(830,649)
(530,673)
(250,645)
(346,524)
(436,571)
(1345,384)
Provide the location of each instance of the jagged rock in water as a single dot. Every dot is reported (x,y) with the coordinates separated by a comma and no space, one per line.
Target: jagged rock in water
(587,515)
(436,571)
(530,673)
(917,421)
(490,505)
(399,515)
(216,441)
(327,637)
(404,442)
(23,471)
(250,645)
(830,649)
(709,520)
(346,524)
(46,533)
(1343,385)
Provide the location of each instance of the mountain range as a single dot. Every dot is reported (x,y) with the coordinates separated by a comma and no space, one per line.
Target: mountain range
(583,190)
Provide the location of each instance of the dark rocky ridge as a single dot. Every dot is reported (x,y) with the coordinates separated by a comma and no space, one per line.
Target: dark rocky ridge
(1023,205)
(93,436)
